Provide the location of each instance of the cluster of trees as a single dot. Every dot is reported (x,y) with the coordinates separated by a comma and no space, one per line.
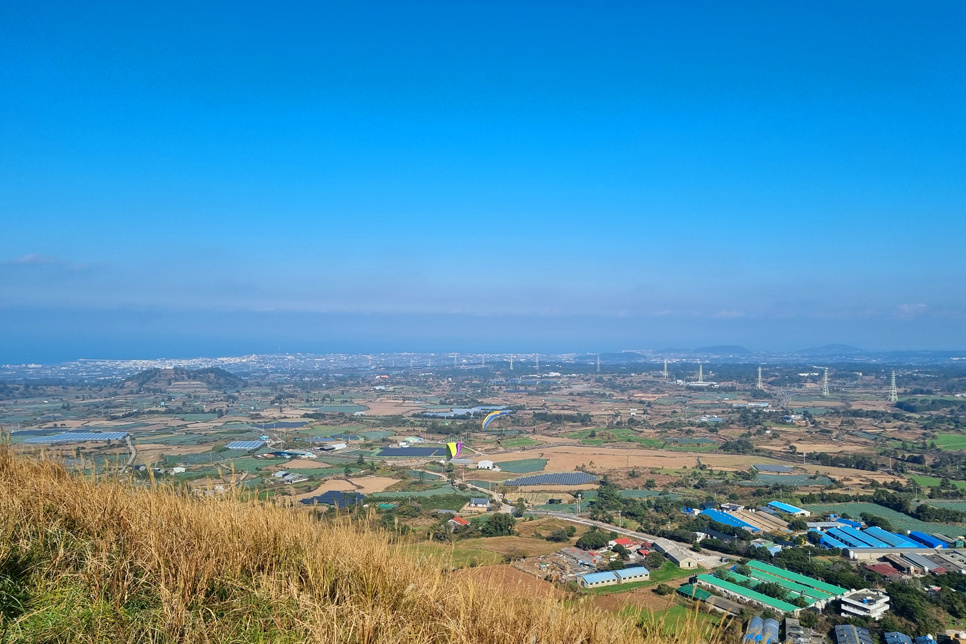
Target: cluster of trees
(853,461)
(560,419)
(562,535)
(496,525)
(738,446)
(924,404)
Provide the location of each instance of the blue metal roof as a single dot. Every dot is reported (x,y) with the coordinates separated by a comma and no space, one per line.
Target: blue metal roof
(894,540)
(727,519)
(848,539)
(831,542)
(897,638)
(926,539)
(245,445)
(632,572)
(594,577)
(784,507)
(861,537)
(71,437)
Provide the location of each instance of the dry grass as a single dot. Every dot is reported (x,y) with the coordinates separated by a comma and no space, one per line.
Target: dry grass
(85,560)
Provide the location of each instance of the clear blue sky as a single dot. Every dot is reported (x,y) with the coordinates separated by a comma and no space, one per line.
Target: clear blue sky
(191,179)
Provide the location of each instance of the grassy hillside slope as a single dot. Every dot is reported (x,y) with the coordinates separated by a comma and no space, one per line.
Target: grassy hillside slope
(86,561)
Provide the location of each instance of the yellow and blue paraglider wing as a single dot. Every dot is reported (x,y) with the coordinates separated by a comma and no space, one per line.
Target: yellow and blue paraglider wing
(453,450)
(494,415)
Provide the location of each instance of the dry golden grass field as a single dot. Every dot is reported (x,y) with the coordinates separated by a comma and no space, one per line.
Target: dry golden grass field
(90,561)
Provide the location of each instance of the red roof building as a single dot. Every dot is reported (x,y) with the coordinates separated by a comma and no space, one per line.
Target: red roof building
(884,569)
(457,522)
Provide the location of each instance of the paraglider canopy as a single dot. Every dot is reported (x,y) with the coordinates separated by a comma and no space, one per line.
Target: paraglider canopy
(453,450)
(493,416)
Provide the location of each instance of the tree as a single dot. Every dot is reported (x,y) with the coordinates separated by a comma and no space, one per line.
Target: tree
(592,540)
(654,561)
(663,589)
(621,552)
(808,619)
(798,523)
(559,536)
(499,525)
(348,470)
(616,564)
(520,507)
(650,484)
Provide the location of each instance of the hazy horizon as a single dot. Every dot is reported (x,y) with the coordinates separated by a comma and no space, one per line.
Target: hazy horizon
(230,179)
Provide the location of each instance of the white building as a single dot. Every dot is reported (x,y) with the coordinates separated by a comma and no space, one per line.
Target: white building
(487,465)
(865,603)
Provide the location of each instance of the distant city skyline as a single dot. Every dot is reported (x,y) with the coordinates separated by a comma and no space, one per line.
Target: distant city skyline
(190,180)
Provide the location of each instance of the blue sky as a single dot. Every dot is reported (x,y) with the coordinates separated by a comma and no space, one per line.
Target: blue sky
(186,179)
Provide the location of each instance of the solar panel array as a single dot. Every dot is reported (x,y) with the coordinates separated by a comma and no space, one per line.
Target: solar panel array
(567,478)
(245,445)
(72,437)
(778,469)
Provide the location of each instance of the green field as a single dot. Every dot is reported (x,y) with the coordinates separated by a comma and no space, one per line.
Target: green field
(524,466)
(951,442)
(667,572)
(617,435)
(519,442)
(932,481)
(900,522)
(952,505)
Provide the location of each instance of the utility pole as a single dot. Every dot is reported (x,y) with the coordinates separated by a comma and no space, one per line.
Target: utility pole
(598,364)
(893,392)
(511,363)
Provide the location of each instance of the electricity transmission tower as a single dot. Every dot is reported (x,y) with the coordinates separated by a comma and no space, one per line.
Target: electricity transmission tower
(665,368)
(700,372)
(784,397)
(825,393)
(759,384)
(893,392)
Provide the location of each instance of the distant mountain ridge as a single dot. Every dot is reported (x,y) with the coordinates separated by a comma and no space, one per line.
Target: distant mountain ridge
(833,350)
(214,377)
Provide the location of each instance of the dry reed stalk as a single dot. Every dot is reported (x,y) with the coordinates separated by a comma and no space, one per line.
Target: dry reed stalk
(97,559)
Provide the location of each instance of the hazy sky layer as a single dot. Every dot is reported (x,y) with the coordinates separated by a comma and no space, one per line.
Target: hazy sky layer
(446,176)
